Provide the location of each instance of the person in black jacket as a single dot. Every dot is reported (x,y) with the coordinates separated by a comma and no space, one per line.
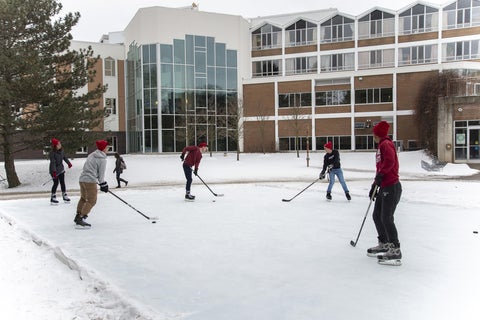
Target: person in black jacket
(57,171)
(119,167)
(331,162)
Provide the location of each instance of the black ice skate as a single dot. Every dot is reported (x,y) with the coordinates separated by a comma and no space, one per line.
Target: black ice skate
(381,248)
(189,197)
(392,257)
(53,200)
(80,223)
(329,196)
(347,194)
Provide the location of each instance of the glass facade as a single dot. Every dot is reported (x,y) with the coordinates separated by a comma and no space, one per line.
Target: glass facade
(188,93)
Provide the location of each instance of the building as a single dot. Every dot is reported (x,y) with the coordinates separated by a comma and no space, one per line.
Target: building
(186,76)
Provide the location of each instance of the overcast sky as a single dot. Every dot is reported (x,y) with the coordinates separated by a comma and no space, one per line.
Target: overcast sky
(102,16)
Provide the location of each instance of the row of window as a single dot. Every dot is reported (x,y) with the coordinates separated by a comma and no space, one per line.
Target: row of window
(362,142)
(417,19)
(335,97)
(424,54)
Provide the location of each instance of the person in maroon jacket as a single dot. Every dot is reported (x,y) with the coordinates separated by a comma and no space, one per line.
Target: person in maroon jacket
(387,190)
(193,158)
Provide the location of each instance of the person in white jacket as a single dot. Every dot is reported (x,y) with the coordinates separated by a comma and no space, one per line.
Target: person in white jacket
(93,173)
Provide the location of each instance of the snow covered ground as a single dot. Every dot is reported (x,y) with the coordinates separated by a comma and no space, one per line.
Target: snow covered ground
(246,255)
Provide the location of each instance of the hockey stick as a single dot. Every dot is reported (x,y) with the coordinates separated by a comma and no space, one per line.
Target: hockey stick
(128,204)
(311,184)
(353,244)
(52,178)
(206,185)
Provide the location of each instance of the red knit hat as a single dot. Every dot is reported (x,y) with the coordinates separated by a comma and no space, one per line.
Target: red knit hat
(328,145)
(55,142)
(203,145)
(101,144)
(381,129)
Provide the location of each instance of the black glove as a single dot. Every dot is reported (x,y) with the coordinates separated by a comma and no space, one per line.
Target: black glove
(182,157)
(104,186)
(378,179)
(372,194)
(322,175)
(195,172)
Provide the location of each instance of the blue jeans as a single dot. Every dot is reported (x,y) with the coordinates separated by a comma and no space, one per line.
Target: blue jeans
(339,173)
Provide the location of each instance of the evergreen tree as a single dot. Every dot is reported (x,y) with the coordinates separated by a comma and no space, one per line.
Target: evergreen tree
(40,78)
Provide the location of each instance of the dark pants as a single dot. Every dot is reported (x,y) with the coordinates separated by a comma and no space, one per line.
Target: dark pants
(118,173)
(188,176)
(385,205)
(61,179)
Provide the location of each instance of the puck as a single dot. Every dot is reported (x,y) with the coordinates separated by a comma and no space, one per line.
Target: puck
(475,231)
(154,221)
(214,200)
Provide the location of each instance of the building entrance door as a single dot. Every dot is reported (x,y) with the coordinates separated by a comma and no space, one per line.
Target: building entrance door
(474,143)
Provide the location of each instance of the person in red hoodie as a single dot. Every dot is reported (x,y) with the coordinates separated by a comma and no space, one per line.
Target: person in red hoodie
(192,159)
(387,190)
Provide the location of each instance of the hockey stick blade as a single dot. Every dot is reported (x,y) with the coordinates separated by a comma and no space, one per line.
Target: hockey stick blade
(353,244)
(218,194)
(286,200)
(152,218)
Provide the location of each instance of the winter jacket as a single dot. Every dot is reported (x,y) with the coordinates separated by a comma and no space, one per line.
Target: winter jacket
(387,162)
(193,157)
(94,168)
(118,165)
(332,158)
(56,161)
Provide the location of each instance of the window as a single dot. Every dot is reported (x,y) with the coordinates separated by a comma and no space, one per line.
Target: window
(417,55)
(377,24)
(332,98)
(301,33)
(300,65)
(419,18)
(266,37)
(461,14)
(109,67)
(376,59)
(337,29)
(337,62)
(371,96)
(112,144)
(291,100)
(266,68)
(461,50)
(110,106)
(291,143)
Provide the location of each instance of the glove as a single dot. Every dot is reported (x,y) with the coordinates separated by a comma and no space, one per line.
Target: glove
(104,186)
(182,157)
(54,175)
(69,165)
(373,192)
(378,179)
(322,175)
(195,172)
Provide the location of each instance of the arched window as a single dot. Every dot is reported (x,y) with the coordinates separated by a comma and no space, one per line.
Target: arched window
(337,29)
(417,19)
(109,67)
(301,33)
(376,24)
(266,37)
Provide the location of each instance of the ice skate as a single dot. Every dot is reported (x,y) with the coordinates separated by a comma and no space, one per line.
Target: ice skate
(347,194)
(53,200)
(329,196)
(392,257)
(80,223)
(189,197)
(66,199)
(379,249)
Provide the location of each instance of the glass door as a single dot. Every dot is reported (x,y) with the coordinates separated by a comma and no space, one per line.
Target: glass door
(473,142)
